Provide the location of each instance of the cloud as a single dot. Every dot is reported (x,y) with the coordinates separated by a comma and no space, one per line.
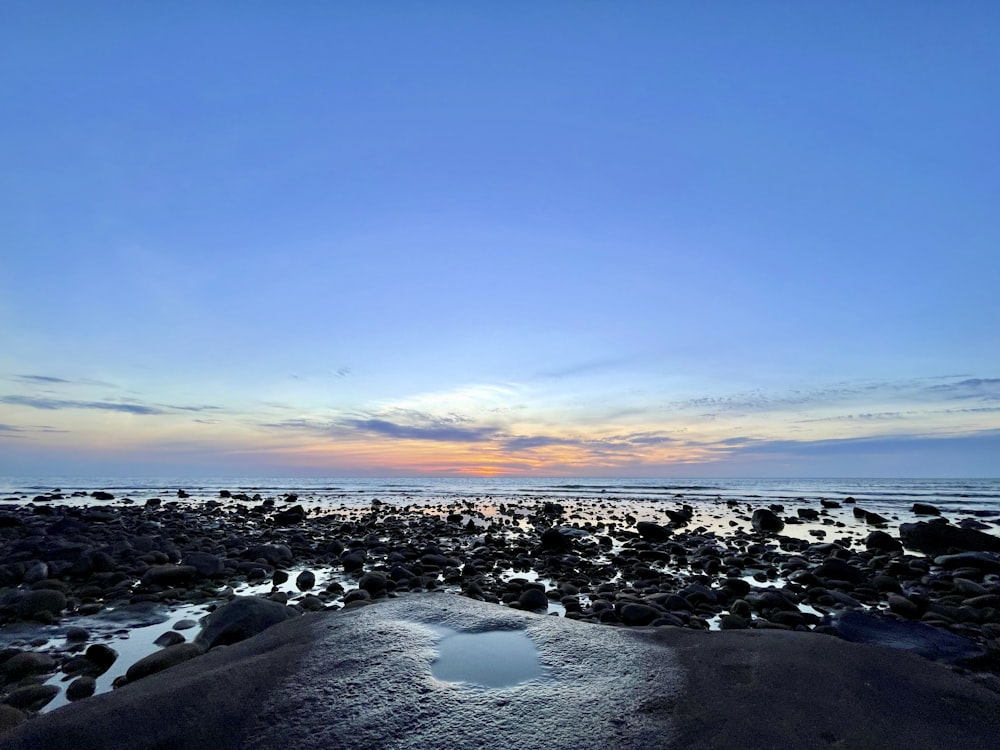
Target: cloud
(437,430)
(124,406)
(48,379)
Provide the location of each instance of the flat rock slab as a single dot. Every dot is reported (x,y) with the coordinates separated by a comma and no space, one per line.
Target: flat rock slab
(365,678)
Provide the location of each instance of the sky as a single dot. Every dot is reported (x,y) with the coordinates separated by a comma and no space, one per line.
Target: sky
(500,238)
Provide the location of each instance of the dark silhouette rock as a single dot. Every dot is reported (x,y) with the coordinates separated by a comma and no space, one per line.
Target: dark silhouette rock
(937,538)
(242,618)
(765,520)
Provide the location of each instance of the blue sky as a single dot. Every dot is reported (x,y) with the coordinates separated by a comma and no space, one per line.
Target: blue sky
(656,239)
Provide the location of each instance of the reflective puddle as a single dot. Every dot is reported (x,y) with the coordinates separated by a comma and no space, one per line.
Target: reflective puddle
(494,659)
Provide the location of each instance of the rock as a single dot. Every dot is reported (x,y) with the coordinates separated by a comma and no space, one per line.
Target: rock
(205,564)
(652,532)
(81,687)
(279,577)
(553,540)
(766,521)
(37,572)
(290,516)
(924,509)
(169,638)
(31,697)
(883,542)
(733,622)
(903,607)
(273,554)
(160,660)
(533,600)
(353,560)
(27,663)
(875,519)
(241,618)
(184,624)
(831,504)
(77,634)
(638,614)
(374,582)
(936,537)
(169,575)
(10,717)
(101,495)
(101,656)
(41,600)
(927,641)
(807,514)
(305,580)
(834,569)
(983,561)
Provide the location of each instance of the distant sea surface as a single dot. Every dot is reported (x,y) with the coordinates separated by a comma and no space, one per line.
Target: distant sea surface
(955,495)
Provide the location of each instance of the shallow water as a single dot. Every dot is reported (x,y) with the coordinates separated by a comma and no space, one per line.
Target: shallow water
(491,659)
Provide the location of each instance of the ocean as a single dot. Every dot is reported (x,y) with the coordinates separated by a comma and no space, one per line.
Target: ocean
(882,495)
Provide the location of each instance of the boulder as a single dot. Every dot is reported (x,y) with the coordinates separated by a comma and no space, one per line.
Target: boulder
(652,532)
(41,600)
(937,538)
(534,600)
(164,659)
(241,618)
(205,564)
(880,540)
(638,614)
(31,697)
(767,521)
(916,637)
(924,509)
(169,575)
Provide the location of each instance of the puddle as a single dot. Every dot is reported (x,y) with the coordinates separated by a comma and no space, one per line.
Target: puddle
(493,659)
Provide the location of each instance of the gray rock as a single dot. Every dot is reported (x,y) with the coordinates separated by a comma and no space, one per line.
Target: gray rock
(241,618)
(31,697)
(81,687)
(169,638)
(27,663)
(160,660)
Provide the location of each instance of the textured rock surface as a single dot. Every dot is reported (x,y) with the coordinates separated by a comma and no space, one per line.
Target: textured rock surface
(363,678)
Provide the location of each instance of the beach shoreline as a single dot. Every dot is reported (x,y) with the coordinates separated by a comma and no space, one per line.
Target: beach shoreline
(124,568)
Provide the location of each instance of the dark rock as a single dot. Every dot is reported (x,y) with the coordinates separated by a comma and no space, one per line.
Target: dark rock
(77,634)
(937,538)
(733,622)
(81,687)
(31,697)
(639,614)
(241,618)
(834,569)
(101,495)
(273,554)
(205,564)
(533,600)
(353,560)
(101,656)
(169,638)
(983,561)
(830,504)
(652,532)
(554,540)
(290,516)
(924,509)
(305,580)
(169,575)
(808,514)
(765,520)
(882,541)
(41,600)
(903,607)
(875,519)
(374,582)
(27,663)
(10,717)
(927,641)
(160,660)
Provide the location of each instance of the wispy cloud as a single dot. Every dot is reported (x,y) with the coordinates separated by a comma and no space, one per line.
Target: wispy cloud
(129,406)
(442,432)
(47,379)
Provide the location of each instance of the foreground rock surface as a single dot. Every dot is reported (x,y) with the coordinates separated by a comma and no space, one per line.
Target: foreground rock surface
(364,678)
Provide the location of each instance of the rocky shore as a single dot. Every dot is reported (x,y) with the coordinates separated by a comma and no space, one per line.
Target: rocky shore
(913,578)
